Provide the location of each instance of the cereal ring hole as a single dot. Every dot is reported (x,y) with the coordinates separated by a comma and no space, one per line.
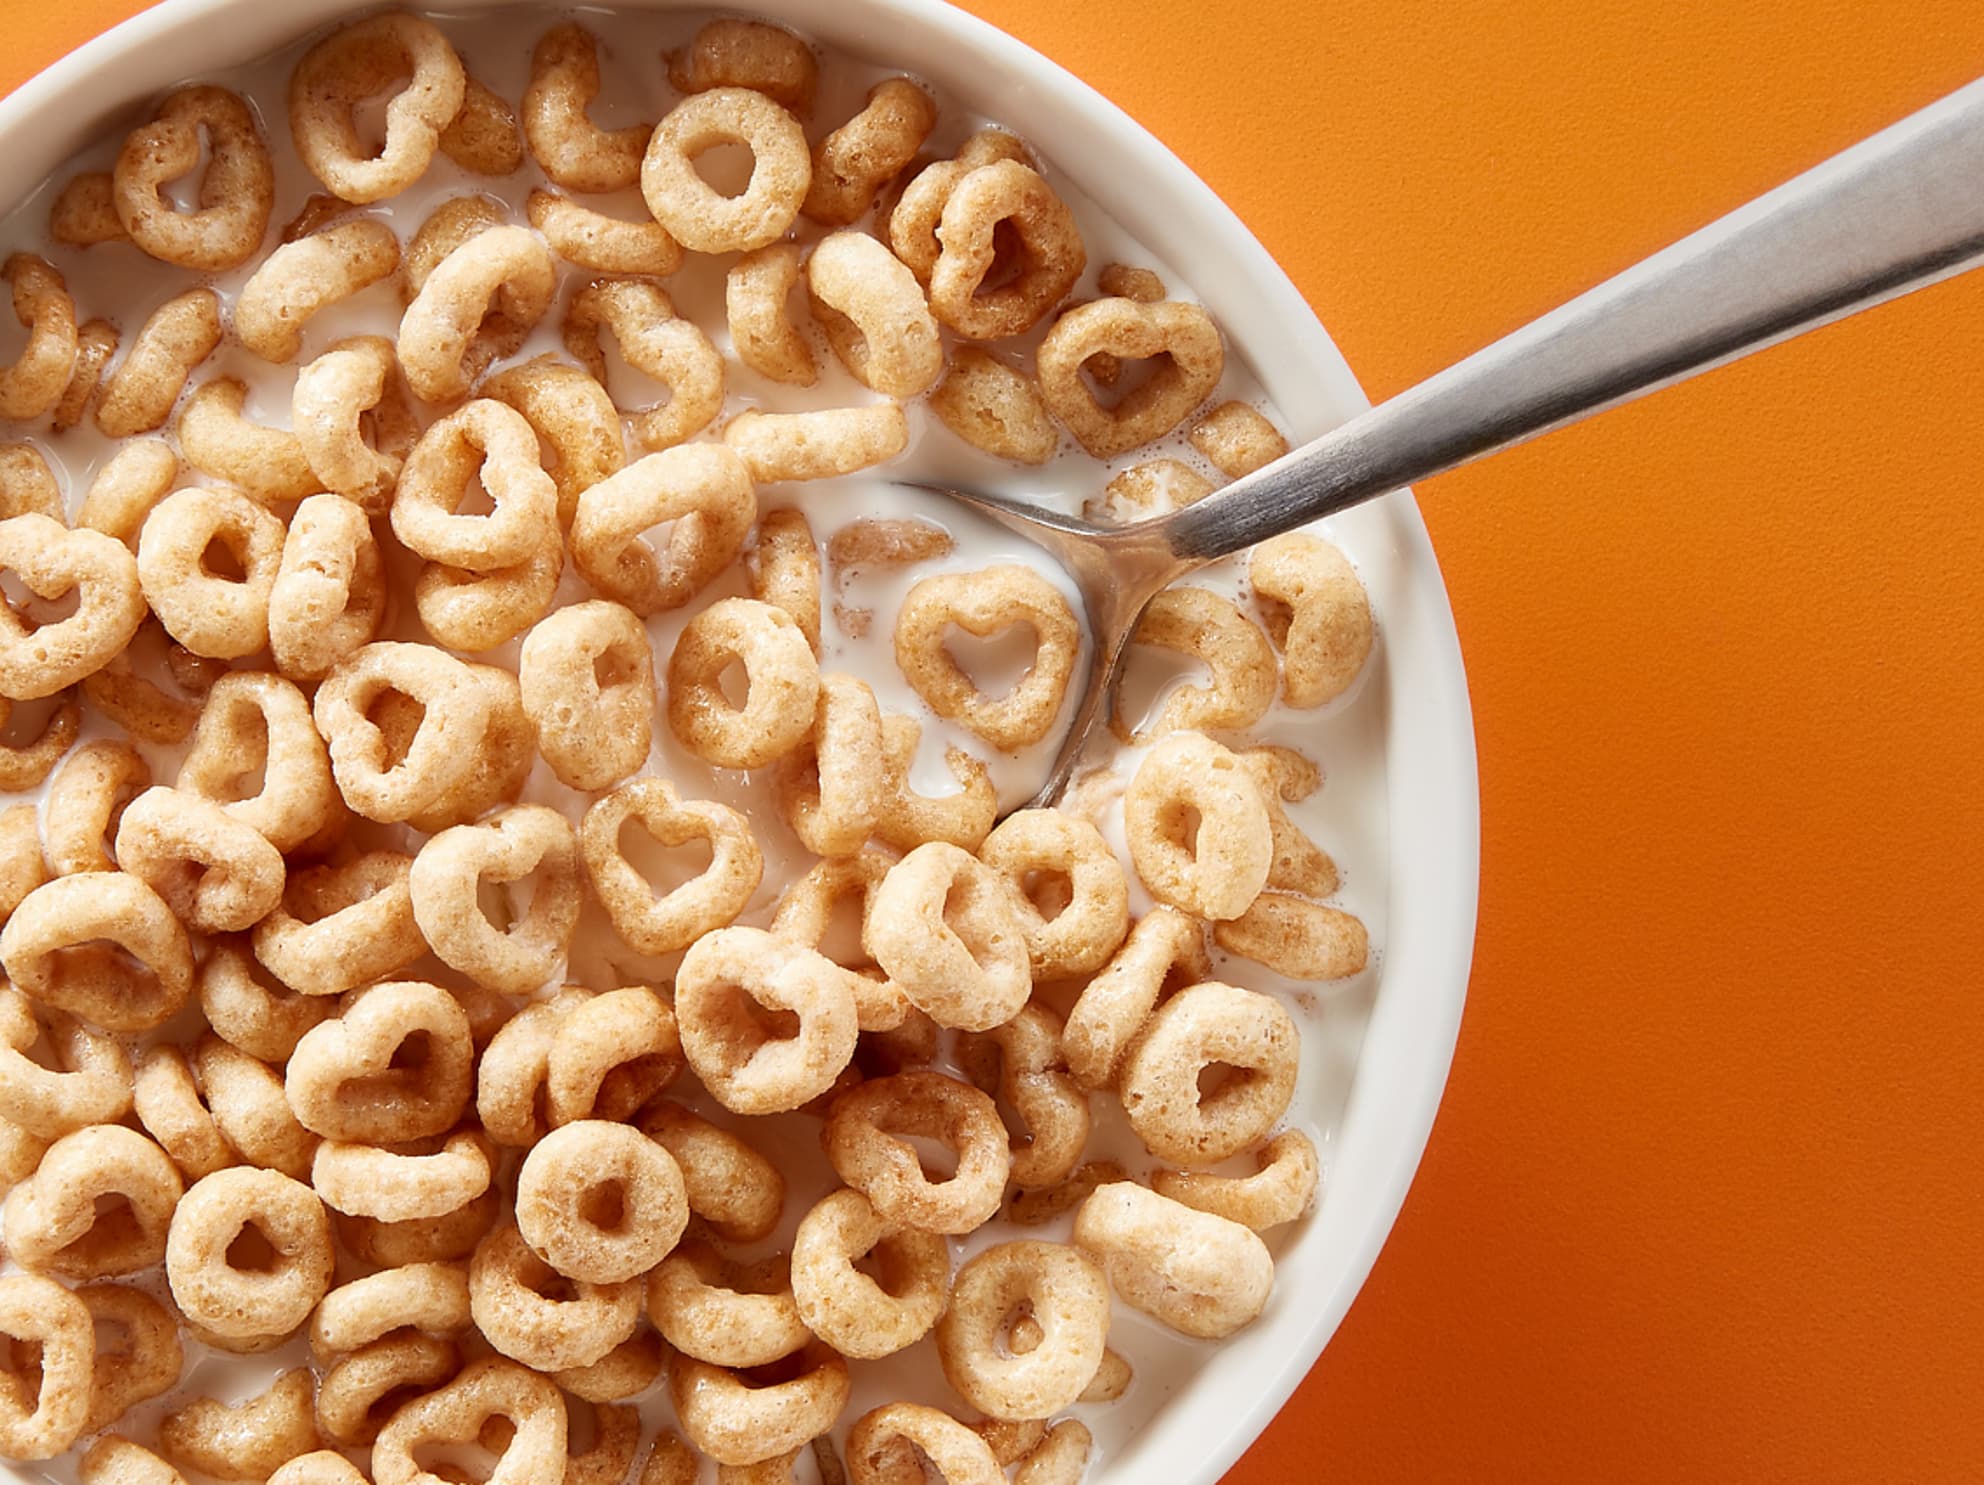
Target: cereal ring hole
(939,1160)
(726,167)
(995,663)
(251,1252)
(604,1205)
(1152,674)
(663,867)
(27,721)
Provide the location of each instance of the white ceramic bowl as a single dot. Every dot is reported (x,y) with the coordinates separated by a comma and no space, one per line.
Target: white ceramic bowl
(1433,798)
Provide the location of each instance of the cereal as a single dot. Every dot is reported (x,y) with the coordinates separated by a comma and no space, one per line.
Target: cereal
(450,871)
(42,1407)
(320,1467)
(995,408)
(629,1369)
(25,764)
(853,164)
(249,1008)
(510,1079)
(484,138)
(27,484)
(656,343)
(909,819)
(430,1297)
(1062,1290)
(575,152)
(1317,613)
(36,380)
(1022,1062)
(359,1392)
(605,244)
(84,212)
(454,711)
(950,932)
(983,604)
(246,1099)
(237,188)
(502,270)
(51,1223)
(1153,488)
(735,1419)
(695,213)
(913,220)
(354,384)
(96,343)
(782,684)
(1245,1034)
(138,1354)
(1182,333)
(250,1440)
(803,915)
(703,491)
(83,1079)
(424,1239)
(708,901)
(730,975)
(217,874)
(860,1315)
(474,611)
(51,561)
(600,1202)
(22,866)
(237,1303)
(1199,1274)
(301,278)
(1112,1379)
(255,733)
(1085,929)
(507,1291)
(1236,439)
(587,678)
(138,396)
(265,464)
(819,444)
(1299,939)
(862,1141)
(710,1308)
(328,600)
(348,1080)
(1282,1190)
(1164,946)
(457,1414)
(1299,864)
(1052,257)
(732,1189)
(830,788)
(356,62)
(1199,623)
(136,703)
(575,420)
(734,53)
(102,946)
(756,292)
(500,760)
(85,798)
(888,1442)
(616,1438)
(368,1181)
(874,314)
(210,614)
(609,1054)
(1198,828)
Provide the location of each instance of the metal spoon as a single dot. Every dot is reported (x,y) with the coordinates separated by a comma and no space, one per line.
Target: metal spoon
(1897,211)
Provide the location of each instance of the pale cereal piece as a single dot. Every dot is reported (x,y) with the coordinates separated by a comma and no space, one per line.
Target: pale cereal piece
(576,422)
(574,151)
(587,678)
(1296,938)
(20,1153)
(1165,949)
(249,1107)
(829,787)
(1090,917)
(782,684)
(1051,253)
(1300,865)
(27,484)
(853,163)
(604,244)
(215,873)
(237,188)
(243,1303)
(572,1169)
(863,1141)
(446,228)
(85,798)
(501,755)
(404,1184)
(36,380)
(738,1422)
(731,976)
(908,819)
(126,486)
(859,1315)
(250,1440)
(733,1190)
(734,53)
(1062,1459)
(1198,828)
(96,343)
(655,342)
(519,1311)
(115,1460)
(1207,1026)
(1121,281)
(139,395)
(874,314)
(1062,1289)
(726,1313)
(985,603)
(488,440)
(224,617)
(702,492)
(609,1054)
(661,925)
(757,292)
(138,1354)
(912,222)
(358,61)
(50,1222)
(804,914)
(344,1084)
(62,945)
(670,1461)
(1212,630)
(329,597)
(428,1297)
(44,1402)
(890,1440)
(1181,332)
(783,561)
(359,1391)
(454,712)
(628,1370)
(257,752)
(1237,440)
(1316,610)
(950,932)
(423,1240)
(502,269)
(696,214)
(1011,1440)
(22,867)
(486,1391)
(351,415)
(817,445)
(1199,1274)
(143,708)
(301,278)
(23,765)
(995,408)
(616,1439)
(484,138)
(1153,488)
(84,211)
(82,1078)
(1281,1190)
(250,1008)
(449,875)
(265,464)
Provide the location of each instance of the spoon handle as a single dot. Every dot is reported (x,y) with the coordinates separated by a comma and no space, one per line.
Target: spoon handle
(1893,213)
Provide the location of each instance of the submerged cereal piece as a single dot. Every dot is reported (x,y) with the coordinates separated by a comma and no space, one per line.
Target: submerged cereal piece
(853,164)
(736,53)
(301,278)
(483,139)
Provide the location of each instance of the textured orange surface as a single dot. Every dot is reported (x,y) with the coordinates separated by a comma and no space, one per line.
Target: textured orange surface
(1704,1201)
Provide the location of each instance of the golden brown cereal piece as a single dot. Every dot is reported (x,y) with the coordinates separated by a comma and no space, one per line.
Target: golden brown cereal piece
(96,343)
(237,188)
(257,752)
(138,396)
(83,1078)
(782,684)
(449,875)
(1316,610)
(246,1099)
(447,227)
(530,1314)
(27,484)
(321,1467)
(430,1297)
(909,819)
(115,1460)
(52,561)
(266,464)
(25,764)
(695,213)
(476,611)
(1090,920)
(853,164)
(102,946)
(1198,828)
(576,422)
(356,62)
(1062,1290)
(215,873)
(458,1414)
(733,53)
(317,212)
(424,1239)
(804,915)
(727,980)
(628,1369)
(352,417)
(40,374)
(210,613)
(655,342)
(1209,1026)
(860,1315)
(20,1153)
(574,151)
(361,1391)
(756,294)
(863,1142)
(250,1008)
(600,1202)
(329,597)
(1199,623)
(1022,1062)
(455,706)
(817,445)
(1296,938)
(784,566)
(605,244)
(913,220)
(609,1054)
(22,867)
(43,1405)
(484,138)
(85,800)
(874,314)
(84,211)
(502,754)
(300,278)
(1237,439)
(407,1184)
(888,1442)
(1181,332)
(134,701)
(951,933)
(1051,253)
(1283,1189)
(830,788)
(662,924)
(347,1079)
(616,1438)
(241,1303)
(721,1312)
(250,1440)
(138,1355)
(732,1189)
(983,604)
(1199,1274)
(703,492)
(502,271)
(995,408)
(51,1223)
(169,1105)
(737,1419)
(1155,487)
(587,678)
(1299,864)
(1165,949)
(484,439)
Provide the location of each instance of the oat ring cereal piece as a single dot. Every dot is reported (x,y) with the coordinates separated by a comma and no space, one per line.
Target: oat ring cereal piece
(1199,1274)
(217,874)
(587,678)
(52,561)
(733,1190)
(1053,257)
(51,1224)
(604,244)
(1317,612)
(709,1308)
(100,945)
(830,787)
(576,422)
(661,925)
(457,1414)
(354,384)
(732,53)
(319,1467)
(510,1292)
(85,797)
(782,684)
(359,1392)
(255,734)
(84,211)
(42,1410)
(655,342)
(695,213)
(356,62)
(1206,1026)
(397,1064)
(728,980)
(1180,332)
(1090,923)
(476,611)
(1212,630)
(600,1202)
(250,1439)
(874,314)
(737,1420)
(250,1008)
(246,1098)
(237,191)
(910,818)
(488,439)
(628,1370)
(913,219)
(853,164)
(1063,1292)
(574,151)
(783,563)
(505,270)
(300,278)
(805,912)
(951,932)
(860,1316)
(138,1354)
(1283,1189)
(139,395)
(706,493)
(762,333)
(862,1143)
(449,874)
(423,1240)
(1199,832)
(1022,1062)
(27,484)
(429,1297)
(1164,948)
(40,374)
(329,597)
(887,1444)
(1296,938)
(222,617)
(391,1186)
(84,1079)
(456,709)
(983,604)
(218,439)
(242,1303)
(995,408)
(139,474)
(510,1078)
(609,1054)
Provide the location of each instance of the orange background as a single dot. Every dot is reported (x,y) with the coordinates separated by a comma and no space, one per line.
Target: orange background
(1704,1201)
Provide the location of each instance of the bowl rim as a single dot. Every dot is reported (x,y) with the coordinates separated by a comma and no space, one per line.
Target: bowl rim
(1434,783)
